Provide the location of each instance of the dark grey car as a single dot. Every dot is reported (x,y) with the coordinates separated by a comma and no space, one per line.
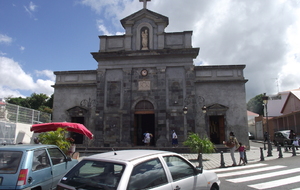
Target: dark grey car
(282,138)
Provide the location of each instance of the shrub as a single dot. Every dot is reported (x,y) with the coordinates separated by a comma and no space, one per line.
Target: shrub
(57,138)
(199,144)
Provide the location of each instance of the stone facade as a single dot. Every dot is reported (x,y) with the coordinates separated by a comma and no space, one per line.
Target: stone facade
(143,81)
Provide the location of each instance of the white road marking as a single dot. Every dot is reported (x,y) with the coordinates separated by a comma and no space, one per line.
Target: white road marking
(263,176)
(249,171)
(238,168)
(276,183)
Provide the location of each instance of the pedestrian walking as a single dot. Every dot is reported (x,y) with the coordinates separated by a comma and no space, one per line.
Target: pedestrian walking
(266,136)
(232,144)
(293,138)
(174,139)
(242,150)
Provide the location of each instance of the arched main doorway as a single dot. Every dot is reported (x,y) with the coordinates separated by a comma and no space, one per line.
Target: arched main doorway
(144,121)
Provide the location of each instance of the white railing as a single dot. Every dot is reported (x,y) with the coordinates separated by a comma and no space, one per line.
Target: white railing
(18,114)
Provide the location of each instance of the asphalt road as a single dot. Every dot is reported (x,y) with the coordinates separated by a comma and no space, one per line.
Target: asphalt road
(278,174)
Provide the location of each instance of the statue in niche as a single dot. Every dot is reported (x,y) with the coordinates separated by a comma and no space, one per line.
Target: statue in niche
(145,39)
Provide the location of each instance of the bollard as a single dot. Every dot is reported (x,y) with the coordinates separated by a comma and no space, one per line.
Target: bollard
(200,160)
(294,151)
(280,152)
(265,146)
(222,160)
(278,146)
(246,161)
(269,149)
(261,154)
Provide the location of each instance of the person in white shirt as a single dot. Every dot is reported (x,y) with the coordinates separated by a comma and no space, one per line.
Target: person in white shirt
(147,138)
(174,139)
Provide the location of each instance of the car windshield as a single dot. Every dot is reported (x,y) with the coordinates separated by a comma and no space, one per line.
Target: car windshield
(89,174)
(286,134)
(9,161)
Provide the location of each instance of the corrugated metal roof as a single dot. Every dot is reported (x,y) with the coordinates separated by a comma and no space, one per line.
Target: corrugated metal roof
(250,113)
(296,93)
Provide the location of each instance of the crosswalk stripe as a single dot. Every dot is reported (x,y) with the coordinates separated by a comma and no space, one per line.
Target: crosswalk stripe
(238,167)
(249,171)
(276,183)
(262,176)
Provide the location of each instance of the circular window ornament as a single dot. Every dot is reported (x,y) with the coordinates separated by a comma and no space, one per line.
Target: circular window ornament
(144,72)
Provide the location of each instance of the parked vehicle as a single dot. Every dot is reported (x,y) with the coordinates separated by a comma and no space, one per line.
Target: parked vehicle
(282,138)
(251,136)
(32,166)
(138,169)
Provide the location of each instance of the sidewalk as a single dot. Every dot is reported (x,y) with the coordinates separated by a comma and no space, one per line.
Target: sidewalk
(212,161)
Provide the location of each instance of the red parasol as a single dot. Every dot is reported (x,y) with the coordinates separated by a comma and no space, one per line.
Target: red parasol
(72,127)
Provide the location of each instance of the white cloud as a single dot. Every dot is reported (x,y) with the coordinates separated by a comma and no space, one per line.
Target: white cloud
(4,39)
(49,74)
(22,48)
(101,28)
(263,35)
(2,53)
(13,79)
(30,9)
(32,6)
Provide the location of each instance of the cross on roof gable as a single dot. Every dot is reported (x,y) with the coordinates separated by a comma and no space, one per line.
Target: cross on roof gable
(144,3)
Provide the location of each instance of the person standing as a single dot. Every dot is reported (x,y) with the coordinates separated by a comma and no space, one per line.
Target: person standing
(242,150)
(232,144)
(147,138)
(174,139)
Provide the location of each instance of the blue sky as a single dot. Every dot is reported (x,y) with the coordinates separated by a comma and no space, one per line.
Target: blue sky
(39,37)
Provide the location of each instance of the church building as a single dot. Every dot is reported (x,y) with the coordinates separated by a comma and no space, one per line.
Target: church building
(146,81)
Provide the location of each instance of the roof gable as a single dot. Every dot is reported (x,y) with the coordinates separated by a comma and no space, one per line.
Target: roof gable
(292,103)
(157,18)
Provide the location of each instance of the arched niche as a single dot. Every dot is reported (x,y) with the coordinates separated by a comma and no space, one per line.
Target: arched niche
(139,39)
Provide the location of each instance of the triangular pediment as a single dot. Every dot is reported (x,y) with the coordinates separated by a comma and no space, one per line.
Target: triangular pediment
(76,111)
(217,107)
(144,13)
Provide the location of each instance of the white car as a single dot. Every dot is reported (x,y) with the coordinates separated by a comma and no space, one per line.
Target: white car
(136,170)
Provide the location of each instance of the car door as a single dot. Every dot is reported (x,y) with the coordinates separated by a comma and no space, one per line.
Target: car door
(184,175)
(59,164)
(40,174)
(149,174)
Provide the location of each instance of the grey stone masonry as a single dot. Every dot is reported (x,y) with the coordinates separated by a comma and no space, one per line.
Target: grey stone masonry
(143,81)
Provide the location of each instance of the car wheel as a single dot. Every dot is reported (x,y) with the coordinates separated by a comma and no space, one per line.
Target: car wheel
(214,187)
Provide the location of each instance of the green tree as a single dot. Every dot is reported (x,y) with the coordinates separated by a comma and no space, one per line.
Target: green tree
(256,104)
(18,101)
(37,100)
(199,144)
(57,138)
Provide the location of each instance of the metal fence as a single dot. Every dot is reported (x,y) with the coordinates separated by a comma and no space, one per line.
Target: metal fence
(18,114)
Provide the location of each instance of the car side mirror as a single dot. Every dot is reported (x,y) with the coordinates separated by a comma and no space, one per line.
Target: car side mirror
(199,170)
(68,159)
